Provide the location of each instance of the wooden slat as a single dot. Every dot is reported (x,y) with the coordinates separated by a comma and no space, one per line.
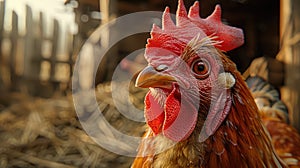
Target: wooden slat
(38,39)
(56,61)
(70,52)
(29,72)
(2,11)
(104,8)
(107,65)
(13,50)
(55,44)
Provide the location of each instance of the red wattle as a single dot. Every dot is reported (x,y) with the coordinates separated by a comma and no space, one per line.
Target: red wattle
(180,120)
(172,108)
(176,121)
(154,114)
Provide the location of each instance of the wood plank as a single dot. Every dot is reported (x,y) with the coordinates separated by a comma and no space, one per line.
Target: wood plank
(290,51)
(71,55)
(108,63)
(32,64)
(29,72)
(55,44)
(108,9)
(2,11)
(13,50)
(38,41)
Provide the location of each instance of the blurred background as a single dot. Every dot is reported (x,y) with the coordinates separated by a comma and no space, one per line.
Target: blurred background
(39,44)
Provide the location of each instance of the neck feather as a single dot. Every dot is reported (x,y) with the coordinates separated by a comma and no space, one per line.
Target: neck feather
(241,139)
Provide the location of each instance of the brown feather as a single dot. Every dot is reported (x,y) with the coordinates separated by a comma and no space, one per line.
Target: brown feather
(241,140)
(285,138)
(144,162)
(286,141)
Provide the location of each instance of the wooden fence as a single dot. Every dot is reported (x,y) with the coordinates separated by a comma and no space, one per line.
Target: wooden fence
(29,60)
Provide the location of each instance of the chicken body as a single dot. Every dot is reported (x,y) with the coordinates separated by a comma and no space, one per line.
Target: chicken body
(274,113)
(199,110)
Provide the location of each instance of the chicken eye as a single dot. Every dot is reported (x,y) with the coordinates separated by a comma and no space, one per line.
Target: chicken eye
(201,68)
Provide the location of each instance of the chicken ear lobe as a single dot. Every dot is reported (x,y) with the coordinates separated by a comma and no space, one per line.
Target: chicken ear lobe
(219,110)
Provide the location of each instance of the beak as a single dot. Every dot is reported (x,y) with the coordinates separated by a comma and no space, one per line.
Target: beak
(149,77)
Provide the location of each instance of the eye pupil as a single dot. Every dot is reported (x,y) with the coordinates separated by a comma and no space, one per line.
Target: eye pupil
(201,68)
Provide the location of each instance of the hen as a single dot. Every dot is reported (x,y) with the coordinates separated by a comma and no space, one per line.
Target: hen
(274,113)
(199,109)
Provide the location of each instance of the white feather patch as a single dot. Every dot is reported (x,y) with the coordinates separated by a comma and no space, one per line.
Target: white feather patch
(159,95)
(226,79)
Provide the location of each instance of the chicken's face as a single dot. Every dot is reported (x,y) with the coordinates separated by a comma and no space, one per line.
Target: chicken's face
(183,86)
(185,75)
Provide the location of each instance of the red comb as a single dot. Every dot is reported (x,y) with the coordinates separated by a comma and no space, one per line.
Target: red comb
(174,38)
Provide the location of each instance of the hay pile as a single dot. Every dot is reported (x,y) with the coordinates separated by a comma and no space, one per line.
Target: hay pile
(46,133)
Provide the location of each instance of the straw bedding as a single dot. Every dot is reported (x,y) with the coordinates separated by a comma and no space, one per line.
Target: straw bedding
(36,132)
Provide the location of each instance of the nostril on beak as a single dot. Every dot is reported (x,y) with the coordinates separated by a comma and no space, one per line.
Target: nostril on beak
(161,68)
